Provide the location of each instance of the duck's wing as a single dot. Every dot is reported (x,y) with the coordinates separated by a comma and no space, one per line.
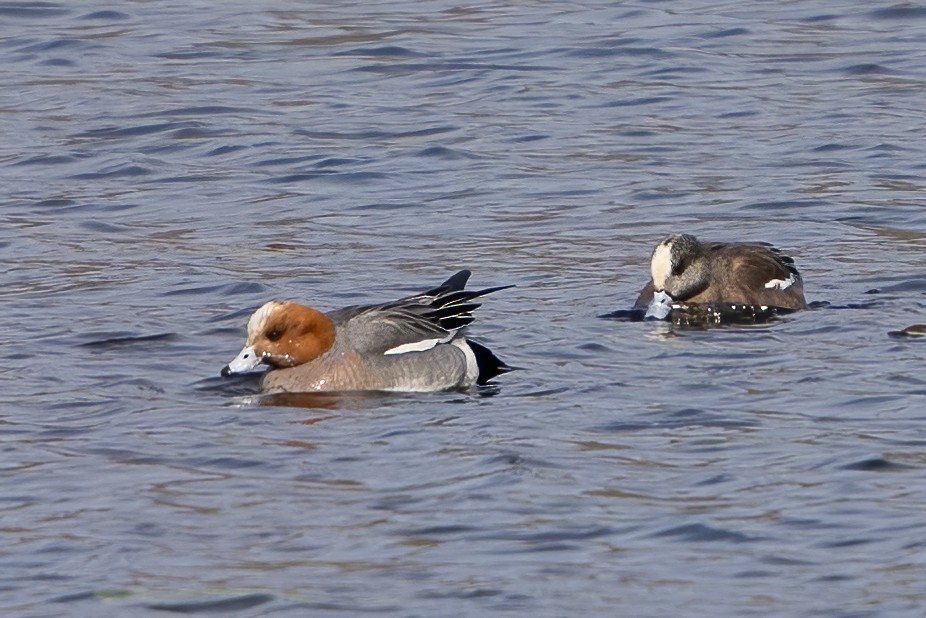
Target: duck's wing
(761,266)
(760,275)
(415,323)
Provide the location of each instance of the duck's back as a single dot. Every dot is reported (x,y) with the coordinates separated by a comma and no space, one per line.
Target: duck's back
(752,275)
(745,276)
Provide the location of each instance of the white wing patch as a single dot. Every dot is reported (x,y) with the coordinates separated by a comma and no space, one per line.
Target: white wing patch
(781,284)
(418,346)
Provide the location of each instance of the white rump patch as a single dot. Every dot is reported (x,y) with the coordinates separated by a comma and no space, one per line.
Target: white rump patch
(661,265)
(472,365)
(781,284)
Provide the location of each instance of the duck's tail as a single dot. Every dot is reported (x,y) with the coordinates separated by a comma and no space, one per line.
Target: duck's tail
(489,364)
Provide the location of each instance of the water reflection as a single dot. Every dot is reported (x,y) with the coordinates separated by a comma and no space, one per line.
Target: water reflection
(321,401)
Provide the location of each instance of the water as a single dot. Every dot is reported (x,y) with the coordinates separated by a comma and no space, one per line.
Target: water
(166,167)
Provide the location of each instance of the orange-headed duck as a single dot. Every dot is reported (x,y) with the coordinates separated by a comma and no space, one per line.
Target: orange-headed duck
(412,344)
(713,280)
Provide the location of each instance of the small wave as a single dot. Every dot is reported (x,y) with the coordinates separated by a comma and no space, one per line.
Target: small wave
(899,12)
(876,464)
(215,606)
(702,533)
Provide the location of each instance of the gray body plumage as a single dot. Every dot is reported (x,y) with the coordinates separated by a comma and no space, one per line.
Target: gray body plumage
(341,368)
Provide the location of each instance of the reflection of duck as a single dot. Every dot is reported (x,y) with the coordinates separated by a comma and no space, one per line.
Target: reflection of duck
(412,344)
(724,277)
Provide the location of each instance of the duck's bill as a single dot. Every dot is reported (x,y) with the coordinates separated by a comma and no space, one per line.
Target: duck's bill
(660,307)
(247,360)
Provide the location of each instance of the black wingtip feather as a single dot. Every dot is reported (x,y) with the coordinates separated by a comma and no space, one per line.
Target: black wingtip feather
(446,311)
(455,283)
(490,290)
(456,322)
(453,308)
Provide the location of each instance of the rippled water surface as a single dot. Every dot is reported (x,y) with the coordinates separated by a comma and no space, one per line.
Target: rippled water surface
(168,166)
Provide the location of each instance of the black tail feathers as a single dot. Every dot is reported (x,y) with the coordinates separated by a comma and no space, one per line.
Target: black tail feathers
(489,364)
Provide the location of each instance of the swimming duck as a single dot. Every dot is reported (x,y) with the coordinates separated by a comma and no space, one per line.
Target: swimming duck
(916,330)
(412,344)
(709,281)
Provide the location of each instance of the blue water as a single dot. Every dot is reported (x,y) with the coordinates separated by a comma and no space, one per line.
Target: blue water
(167,167)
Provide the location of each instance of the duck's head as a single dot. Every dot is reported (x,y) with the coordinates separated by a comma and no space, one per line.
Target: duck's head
(283,334)
(680,267)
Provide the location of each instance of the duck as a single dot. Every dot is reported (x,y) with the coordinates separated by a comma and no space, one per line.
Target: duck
(915,330)
(714,281)
(414,344)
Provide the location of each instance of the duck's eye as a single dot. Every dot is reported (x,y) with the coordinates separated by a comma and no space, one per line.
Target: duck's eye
(274,334)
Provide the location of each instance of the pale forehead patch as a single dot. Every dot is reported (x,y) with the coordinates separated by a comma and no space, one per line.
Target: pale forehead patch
(661,265)
(259,318)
